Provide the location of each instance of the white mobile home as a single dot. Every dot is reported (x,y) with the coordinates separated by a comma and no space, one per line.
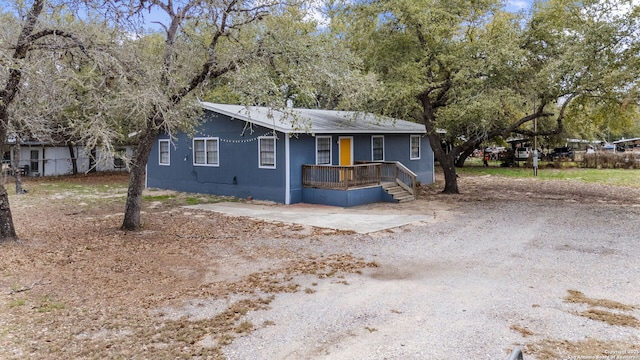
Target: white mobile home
(41,159)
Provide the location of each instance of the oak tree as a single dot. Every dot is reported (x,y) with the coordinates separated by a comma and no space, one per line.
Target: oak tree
(471,71)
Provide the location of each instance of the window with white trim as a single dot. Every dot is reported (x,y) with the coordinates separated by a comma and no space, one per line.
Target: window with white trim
(206,152)
(377,148)
(323,150)
(415,147)
(267,152)
(163,150)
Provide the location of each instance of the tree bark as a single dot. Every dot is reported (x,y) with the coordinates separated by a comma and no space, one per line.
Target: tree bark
(450,175)
(137,174)
(7,230)
(446,160)
(464,155)
(74,161)
(16,167)
(92,160)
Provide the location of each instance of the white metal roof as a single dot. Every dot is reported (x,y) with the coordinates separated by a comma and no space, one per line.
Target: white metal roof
(627,140)
(311,121)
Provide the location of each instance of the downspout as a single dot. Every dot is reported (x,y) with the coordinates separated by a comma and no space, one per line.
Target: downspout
(287,171)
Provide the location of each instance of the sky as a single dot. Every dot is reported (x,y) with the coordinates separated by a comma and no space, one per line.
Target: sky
(517,5)
(510,5)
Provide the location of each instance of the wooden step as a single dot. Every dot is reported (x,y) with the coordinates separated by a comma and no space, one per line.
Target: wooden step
(397,193)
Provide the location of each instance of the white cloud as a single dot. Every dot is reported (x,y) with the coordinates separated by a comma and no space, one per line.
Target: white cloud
(519,4)
(315,13)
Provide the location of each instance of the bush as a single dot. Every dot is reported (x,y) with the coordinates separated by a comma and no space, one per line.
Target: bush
(626,160)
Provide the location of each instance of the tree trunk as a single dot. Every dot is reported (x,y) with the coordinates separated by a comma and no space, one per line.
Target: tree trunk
(74,161)
(7,95)
(7,230)
(17,172)
(92,161)
(450,176)
(447,160)
(463,157)
(137,174)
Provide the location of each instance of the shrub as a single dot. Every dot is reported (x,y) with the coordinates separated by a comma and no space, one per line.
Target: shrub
(626,160)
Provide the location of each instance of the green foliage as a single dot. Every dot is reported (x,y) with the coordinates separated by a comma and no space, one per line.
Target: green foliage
(48,304)
(17,303)
(158,197)
(474,72)
(604,118)
(618,177)
(297,62)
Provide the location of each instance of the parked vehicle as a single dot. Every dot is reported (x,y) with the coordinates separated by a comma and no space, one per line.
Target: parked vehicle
(564,152)
(522,153)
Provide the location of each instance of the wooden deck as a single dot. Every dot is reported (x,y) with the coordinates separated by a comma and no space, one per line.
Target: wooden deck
(361,174)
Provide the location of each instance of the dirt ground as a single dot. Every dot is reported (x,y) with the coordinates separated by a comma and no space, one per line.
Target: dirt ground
(76,286)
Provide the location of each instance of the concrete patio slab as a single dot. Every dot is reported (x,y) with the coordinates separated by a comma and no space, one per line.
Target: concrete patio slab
(361,219)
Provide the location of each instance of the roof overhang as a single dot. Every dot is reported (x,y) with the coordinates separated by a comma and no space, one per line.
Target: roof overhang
(313,121)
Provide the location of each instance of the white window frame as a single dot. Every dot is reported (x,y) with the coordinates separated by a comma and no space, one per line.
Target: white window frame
(330,150)
(411,157)
(260,139)
(206,154)
(372,148)
(168,142)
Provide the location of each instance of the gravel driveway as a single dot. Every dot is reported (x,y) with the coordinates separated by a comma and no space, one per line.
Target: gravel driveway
(480,279)
(548,266)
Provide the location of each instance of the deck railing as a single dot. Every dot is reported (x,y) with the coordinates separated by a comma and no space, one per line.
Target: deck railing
(361,174)
(341,177)
(395,171)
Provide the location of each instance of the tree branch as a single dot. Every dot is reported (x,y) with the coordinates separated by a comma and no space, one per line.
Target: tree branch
(53,32)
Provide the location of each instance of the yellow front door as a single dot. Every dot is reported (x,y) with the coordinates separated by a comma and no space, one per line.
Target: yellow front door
(346,158)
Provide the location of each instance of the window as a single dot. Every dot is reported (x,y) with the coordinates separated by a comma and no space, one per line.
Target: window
(415,147)
(163,148)
(119,159)
(323,150)
(267,152)
(35,160)
(206,152)
(377,148)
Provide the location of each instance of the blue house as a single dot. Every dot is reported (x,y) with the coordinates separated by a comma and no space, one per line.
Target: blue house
(299,155)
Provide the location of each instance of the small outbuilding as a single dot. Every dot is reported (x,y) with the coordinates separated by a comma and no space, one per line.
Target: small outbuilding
(338,158)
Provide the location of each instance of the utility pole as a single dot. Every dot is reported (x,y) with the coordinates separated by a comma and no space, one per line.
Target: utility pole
(535,141)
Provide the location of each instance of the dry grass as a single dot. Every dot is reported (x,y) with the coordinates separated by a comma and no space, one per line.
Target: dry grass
(576,296)
(610,318)
(625,160)
(522,330)
(589,349)
(77,287)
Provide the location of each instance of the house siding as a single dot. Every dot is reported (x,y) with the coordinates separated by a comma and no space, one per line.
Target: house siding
(237,174)
(397,148)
